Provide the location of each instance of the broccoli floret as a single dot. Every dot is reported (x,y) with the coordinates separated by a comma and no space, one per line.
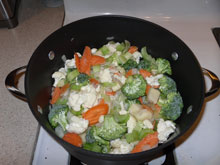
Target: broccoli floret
(134,87)
(58,116)
(92,137)
(144,64)
(130,64)
(167,85)
(83,79)
(171,107)
(163,66)
(110,129)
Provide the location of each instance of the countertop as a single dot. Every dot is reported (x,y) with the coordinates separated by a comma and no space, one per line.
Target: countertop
(18,126)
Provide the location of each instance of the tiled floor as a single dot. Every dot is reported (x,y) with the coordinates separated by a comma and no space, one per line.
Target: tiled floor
(18,127)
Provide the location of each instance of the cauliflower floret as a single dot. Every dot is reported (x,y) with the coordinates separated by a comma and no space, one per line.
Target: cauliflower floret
(77,125)
(101,119)
(153,80)
(61,74)
(105,76)
(121,146)
(87,97)
(137,56)
(70,64)
(121,78)
(93,50)
(164,129)
(131,124)
(147,124)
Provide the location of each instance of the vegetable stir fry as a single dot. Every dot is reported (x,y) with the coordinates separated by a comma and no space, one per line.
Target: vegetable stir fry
(116,99)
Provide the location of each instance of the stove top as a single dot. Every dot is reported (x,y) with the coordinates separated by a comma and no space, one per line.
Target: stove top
(192,22)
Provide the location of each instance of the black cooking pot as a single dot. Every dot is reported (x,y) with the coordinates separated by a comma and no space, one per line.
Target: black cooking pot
(95,32)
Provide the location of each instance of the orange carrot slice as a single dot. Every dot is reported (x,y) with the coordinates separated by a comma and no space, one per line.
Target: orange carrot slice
(150,140)
(145,73)
(132,49)
(56,95)
(64,88)
(141,100)
(94,81)
(77,61)
(102,101)
(129,73)
(97,60)
(95,112)
(58,92)
(147,88)
(73,139)
(110,93)
(85,61)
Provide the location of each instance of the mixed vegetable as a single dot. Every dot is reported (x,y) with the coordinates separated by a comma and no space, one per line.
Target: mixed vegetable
(115,99)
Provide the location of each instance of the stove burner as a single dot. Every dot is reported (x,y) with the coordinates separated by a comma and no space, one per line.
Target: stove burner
(216,32)
(168,151)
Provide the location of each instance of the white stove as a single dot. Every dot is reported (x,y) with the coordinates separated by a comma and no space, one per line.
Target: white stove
(191,21)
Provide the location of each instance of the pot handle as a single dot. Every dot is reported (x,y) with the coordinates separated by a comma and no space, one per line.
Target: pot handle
(215,82)
(11,83)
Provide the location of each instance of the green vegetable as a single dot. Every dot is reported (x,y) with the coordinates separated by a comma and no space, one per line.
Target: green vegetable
(163,66)
(138,133)
(57,116)
(148,62)
(92,147)
(108,84)
(76,113)
(92,137)
(120,47)
(72,75)
(171,107)
(62,101)
(130,64)
(167,85)
(96,68)
(144,64)
(127,46)
(134,87)
(122,119)
(105,50)
(83,79)
(128,103)
(110,129)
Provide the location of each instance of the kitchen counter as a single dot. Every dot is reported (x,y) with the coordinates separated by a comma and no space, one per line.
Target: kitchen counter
(18,126)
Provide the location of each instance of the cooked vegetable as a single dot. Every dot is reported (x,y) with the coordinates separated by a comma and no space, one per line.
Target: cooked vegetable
(153,95)
(95,112)
(73,139)
(167,85)
(134,87)
(57,116)
(130,64)
(163,66)
(171,107)
(110,129)
(132,49)
(92,147)
(114,99)
(150,141)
